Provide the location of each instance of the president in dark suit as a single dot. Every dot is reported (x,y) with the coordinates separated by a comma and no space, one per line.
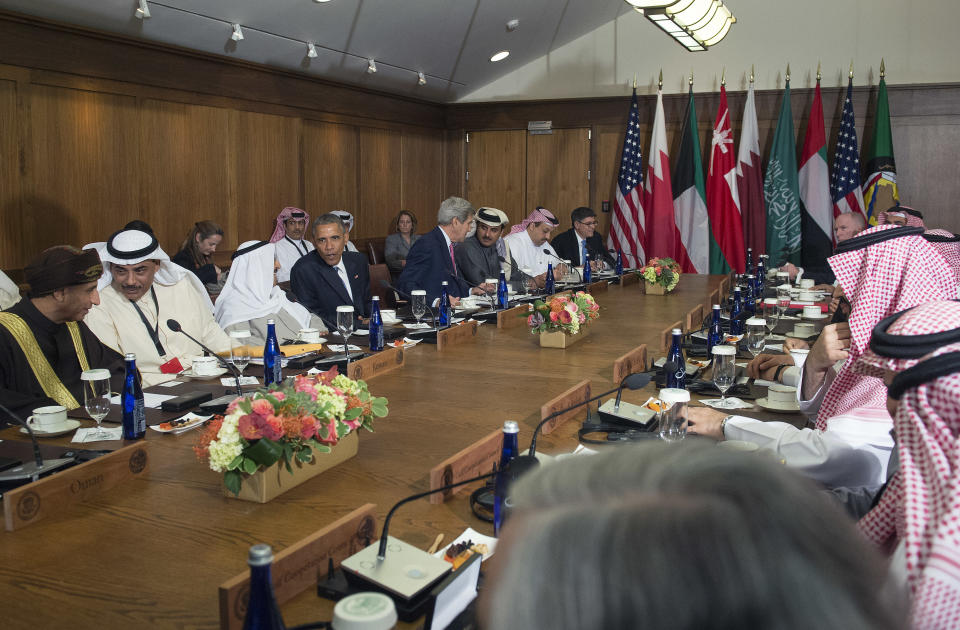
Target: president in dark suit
(431,259)
(570,244)
(329,277)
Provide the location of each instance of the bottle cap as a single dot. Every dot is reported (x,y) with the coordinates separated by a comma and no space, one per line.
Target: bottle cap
(375,298)
(677,331)
(444,283)
(736,289)
(365,611)
(260,555)
(511,426)
(269,322)
(672,395)
(716,307)
(130,356)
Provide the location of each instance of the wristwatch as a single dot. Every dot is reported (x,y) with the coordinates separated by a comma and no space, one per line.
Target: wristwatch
(723,425)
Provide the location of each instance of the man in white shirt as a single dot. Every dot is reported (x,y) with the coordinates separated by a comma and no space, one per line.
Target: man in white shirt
(134,309)
(528,243)
(288,237)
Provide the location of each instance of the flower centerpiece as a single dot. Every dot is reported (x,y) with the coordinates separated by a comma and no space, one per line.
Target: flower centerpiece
(661,275)
(290,427)
(561,321)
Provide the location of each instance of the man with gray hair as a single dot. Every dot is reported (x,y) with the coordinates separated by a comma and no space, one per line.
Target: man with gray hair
(431,260)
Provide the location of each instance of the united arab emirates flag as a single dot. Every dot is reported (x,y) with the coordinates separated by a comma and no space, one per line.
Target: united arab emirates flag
(689,199)
(817,221)
(781,191)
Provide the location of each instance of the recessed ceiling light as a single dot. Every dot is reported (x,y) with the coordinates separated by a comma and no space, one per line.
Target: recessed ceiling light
(321,1)
(500,56)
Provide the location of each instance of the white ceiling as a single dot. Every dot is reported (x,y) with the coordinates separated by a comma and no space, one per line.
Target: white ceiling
(450,41)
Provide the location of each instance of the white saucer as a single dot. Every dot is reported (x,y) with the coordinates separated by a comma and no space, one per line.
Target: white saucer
(66,427)
(793,335)
(203,377)
(765,404)
(816,319)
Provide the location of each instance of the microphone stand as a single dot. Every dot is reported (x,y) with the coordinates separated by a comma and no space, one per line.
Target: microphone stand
(32,471)
(562,261)
(433,317)
(174,325)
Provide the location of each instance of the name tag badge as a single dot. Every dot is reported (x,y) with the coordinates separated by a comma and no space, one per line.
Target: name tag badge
(172,366)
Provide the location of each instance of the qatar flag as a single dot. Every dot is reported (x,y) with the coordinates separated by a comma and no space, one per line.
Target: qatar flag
(750,179)
(661,233)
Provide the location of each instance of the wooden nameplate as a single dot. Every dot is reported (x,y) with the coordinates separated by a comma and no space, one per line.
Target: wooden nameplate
(694,318)
(629,278)
(476,459)
(633,361)
(600,286)
(514,317)
(295,568)
(457,334)
(52,495)
(666,335)
(388,359)
(578,393)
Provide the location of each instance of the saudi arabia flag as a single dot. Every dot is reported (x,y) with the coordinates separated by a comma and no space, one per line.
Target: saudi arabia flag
(781,191)
(880,187)
(689,205)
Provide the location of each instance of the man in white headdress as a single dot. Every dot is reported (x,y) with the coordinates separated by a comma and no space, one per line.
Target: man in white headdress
(9,292)
(288,237)
(134,309)
(528,243)
(348,222)
(251,297)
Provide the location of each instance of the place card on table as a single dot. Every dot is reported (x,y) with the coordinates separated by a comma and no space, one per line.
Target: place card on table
(666,335)
(472,461)
(514,317)
(456,334)
(600,286)
(633,361)
(578,393)
(388,359)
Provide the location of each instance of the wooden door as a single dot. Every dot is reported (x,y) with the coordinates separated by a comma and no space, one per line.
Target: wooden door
(496,163)
(558,166)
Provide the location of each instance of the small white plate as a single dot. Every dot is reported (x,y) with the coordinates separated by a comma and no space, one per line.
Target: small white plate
(188,373)
(793,335)
(66,427)
(766,404)
(189,421)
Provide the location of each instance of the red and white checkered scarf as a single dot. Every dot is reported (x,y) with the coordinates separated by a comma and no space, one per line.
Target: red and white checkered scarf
(926,319)
(880,280)
(912,219)
(921,505)
(540,215)
(287,213)
(949,250)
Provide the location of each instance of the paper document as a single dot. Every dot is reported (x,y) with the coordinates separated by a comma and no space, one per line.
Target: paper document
(87,435)
(150,401)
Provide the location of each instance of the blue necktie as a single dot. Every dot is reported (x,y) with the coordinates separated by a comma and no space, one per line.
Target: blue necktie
(583,252)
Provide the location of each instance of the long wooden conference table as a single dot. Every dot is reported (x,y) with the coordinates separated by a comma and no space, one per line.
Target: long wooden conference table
(152,551)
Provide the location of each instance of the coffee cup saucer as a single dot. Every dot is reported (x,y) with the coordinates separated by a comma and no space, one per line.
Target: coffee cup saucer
(771,405)
(188,373)
(794,335)
(815,318)
(55,430)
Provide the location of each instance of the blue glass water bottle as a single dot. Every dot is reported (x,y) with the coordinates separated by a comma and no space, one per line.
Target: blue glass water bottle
(511,430)
(375,328)
(262,610)
(587,272)
(503,295)
(736,313)
(443,317)
(619,267)
(134,411)
(715,334)
(272,359)
(749,260)
(749,298)
(678,378)
(548,286)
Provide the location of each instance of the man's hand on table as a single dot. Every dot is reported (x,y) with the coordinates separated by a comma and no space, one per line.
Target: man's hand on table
(484,289)
(706,422)
(791,343)
(765,365)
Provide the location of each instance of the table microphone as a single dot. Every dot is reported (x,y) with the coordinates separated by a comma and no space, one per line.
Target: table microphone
(32,470)
(562,261)
(174,325)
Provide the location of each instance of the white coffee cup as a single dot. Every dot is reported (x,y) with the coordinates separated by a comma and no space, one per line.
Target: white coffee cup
(813,312)
(803,329)
(309,335)
(204,366)
(781,394)
(48,418)
(807,296)
(799,356)
(388,315)
(806,283)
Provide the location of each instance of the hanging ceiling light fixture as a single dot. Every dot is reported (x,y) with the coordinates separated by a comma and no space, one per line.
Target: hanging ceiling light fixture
(695,24)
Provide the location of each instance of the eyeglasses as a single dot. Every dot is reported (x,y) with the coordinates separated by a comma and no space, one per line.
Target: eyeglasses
(591,224)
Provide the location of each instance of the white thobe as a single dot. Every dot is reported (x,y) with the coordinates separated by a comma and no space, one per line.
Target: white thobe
(9,292)
(116,323)
(289,252)
(529,256)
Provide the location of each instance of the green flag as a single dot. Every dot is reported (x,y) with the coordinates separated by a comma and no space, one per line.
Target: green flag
(781,191)
(880,184)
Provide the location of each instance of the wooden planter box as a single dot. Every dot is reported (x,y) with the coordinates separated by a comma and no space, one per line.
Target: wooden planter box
(654,289)
(561,339)
(265,485)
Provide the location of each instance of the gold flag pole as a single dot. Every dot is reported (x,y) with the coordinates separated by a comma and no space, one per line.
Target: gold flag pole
(634,80)
(818,72)
(660,80)
(751,73)
(851,68)
(788,73)
(723,76)
(883,69)
(691,77)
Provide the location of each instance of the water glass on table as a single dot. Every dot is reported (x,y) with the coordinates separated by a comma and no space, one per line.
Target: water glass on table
(771,314)
(345,327)
(673,414)
(240,349)
(96,398)
(419,303)
(724,371)
(756,335)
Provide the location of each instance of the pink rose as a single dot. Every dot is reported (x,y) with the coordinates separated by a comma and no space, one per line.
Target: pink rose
(331,426)
(249,428)
(354,424)
(271,427)
(565,317)
(308,427)
(572,307)
(262,407)
(553,316)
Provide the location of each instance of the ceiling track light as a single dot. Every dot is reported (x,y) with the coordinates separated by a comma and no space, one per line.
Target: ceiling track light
(143,11)
(311,51)
(237,33)
(694,24)
(371,66)
(421,79)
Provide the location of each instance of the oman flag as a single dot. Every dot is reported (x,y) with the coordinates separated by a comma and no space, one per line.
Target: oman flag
(661,233)
(723,201)
(816,223)
(689,201)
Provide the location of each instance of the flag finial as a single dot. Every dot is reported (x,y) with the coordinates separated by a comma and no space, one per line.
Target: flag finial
(883,69)
(751,73)
(691,77)
(851,68)
(660,80)
(818,72)
(634,80)
(788,73)
(723,76)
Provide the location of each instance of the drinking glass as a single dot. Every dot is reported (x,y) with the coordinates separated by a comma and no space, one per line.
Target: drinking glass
(240,349)
(673,414)
(492,294)
(345,328)
(771,314)
(96,398)
(419,303)
(756,335)
(783,300)
(724,371)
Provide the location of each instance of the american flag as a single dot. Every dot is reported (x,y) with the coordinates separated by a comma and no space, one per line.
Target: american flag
(627,228)
(845,179)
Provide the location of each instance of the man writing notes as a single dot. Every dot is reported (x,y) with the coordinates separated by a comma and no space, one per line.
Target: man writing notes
(583,236)
(477,257)
(288,238)
(431,260)
(135,307)
(44,344)
(330,277)
(528,243)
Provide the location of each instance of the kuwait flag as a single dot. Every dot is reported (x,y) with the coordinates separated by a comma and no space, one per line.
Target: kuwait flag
(689,200)
(723,201)
(880,189)
(817,221)
(661,232)
(750,180)
(781,191)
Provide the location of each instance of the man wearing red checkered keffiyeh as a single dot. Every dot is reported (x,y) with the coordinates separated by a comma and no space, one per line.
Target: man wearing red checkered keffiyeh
(901,215)
(918,514)
(947,245)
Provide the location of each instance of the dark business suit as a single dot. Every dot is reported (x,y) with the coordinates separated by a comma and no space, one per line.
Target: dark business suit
(568,248)
(429,264)
(319,288)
